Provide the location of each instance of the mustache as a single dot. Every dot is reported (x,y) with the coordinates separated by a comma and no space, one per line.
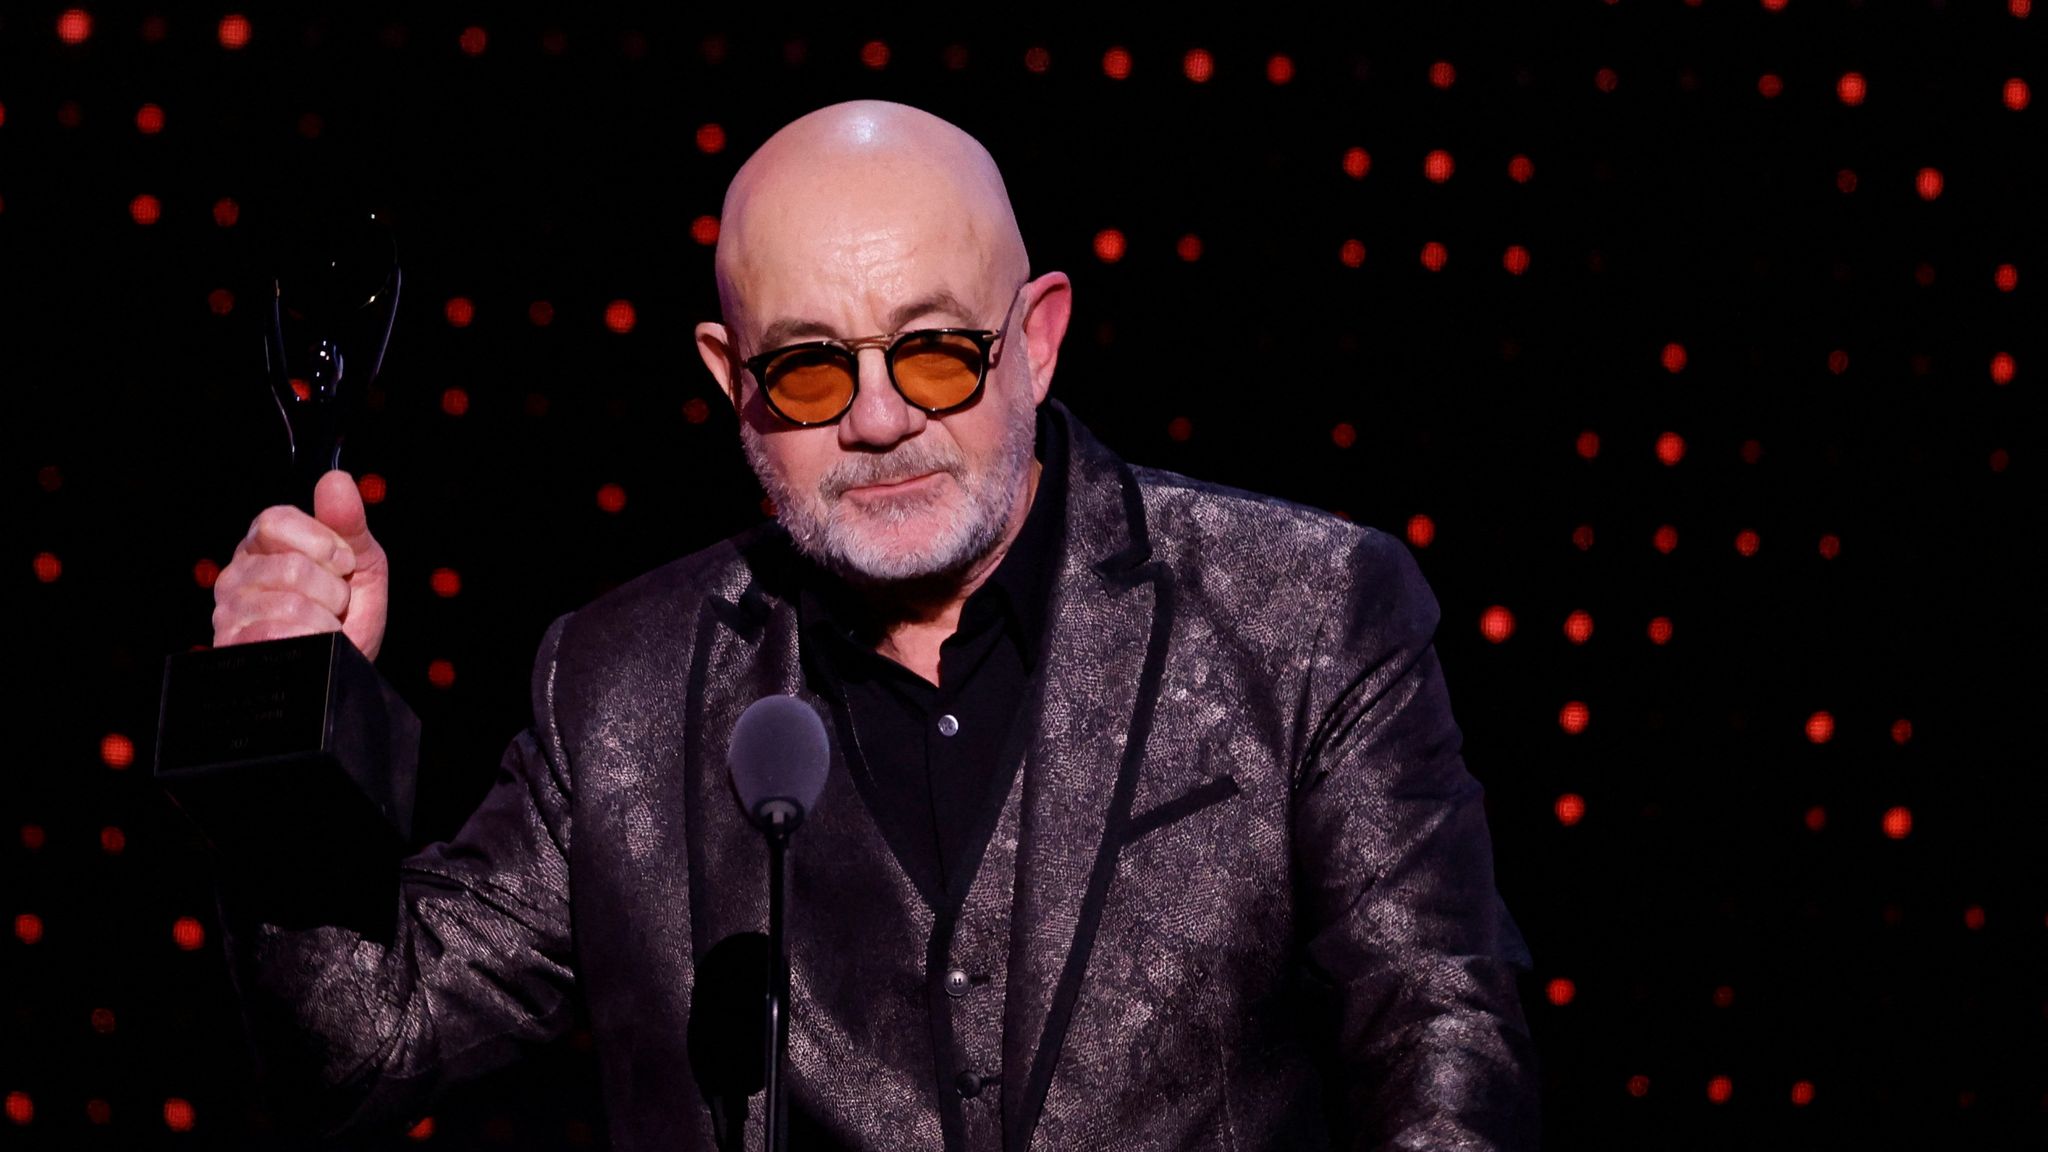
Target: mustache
(912,459)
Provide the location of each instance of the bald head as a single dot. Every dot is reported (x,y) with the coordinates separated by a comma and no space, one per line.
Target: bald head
(869,196)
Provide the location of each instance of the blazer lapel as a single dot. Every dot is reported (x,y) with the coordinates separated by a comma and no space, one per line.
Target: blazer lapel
(1105,651)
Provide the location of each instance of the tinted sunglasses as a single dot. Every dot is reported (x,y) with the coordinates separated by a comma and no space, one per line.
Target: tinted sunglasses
(934,369)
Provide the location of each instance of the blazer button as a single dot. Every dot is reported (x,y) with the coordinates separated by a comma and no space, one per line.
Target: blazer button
(967,1084)
(956,983)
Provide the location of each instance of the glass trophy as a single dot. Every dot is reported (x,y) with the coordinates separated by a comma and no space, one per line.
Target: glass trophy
(294,757)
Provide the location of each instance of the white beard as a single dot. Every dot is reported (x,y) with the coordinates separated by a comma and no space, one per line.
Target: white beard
(843,538)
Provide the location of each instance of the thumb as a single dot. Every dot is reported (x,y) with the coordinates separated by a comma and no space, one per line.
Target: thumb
(338,504)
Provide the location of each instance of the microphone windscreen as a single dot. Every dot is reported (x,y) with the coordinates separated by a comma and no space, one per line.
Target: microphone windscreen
(779,752)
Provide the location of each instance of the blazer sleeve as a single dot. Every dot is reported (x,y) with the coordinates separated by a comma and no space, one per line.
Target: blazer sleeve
(464,960)
(1395,868)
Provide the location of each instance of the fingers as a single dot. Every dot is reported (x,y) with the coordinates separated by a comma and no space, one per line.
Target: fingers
(268,615)
(338,504)
(283,530)
(258,575)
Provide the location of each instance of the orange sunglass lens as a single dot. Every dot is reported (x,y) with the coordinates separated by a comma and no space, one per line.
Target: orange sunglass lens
(810,385)
(938,371)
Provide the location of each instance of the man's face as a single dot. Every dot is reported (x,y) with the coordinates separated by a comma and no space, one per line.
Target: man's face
(888,493)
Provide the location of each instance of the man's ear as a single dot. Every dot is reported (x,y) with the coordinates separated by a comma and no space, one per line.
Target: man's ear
(1048,305)
(716,350)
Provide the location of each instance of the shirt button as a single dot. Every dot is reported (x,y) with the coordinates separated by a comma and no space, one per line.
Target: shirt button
(948,724)
(956,983)
(967,1084)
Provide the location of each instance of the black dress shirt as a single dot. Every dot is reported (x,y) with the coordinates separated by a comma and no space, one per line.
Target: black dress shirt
(932,761)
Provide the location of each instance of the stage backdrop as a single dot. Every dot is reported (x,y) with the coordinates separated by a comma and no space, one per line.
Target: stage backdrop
(1694,348)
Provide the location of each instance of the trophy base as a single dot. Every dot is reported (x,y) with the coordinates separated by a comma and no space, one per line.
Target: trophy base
(294,757)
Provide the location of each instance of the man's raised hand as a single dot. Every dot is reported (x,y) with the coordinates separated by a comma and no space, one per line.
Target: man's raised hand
(295,575)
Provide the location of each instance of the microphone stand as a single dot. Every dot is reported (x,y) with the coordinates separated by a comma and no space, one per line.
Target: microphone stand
(779,818)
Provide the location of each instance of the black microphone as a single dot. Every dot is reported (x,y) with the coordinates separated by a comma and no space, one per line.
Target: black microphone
(779,757)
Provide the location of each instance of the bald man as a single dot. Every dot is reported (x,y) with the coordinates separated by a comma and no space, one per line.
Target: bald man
(1145,826)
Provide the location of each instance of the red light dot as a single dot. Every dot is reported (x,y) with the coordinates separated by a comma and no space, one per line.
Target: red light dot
(32,837)
(1923,275)
(2019,8)
(1670,448)
(372,488)
(1830,546)
(1344,435)
(1898,822)
(1820,727)
(1724,996)
(1198,65)
(612,498)
(1515,260)
(1928,183)
(226,211)
(1999,459)
(446,582)
(1747,542)
(48,567)
(1578,627)
(1188,248)
(1588,444)
(710,139)
(1774,5)
(2017,94)
(1802,1093)
(1179,429)
(1421,530)
(1660,630)
(1673,358)
(1816,818)
(1116,64)
(473,41)
(1973,918)
(874,55)
(954,56)
(20,1109)
(99,1111)
(619,316)
(220,302)
(1582,537)
(1902,731)
(455,401)
(459,311)
(1606,80)
(178,1114)
(103,1020)
(441,673)
(1752,451)
(1838,362)
(28,928)
(1560,991)
(145,209)
(1769,85)
(188,933)
(1845,181)
(2002,368)
(1109,245)
(117,751)
(1570,808)
(422,1130)
(1357,162)
(1639,1086)
(1719,1089)
(1851,88)
(540,313)
(112,840)
(70,114)
(1434,256)
(2007,277)
(1497,624)
(1352,253)
(1438,166)
(149,119)
(74,26)
(1574,717)
(704,230)
(1442,74)
(234,32)
(1037,59)
(1279,69)
(695,410)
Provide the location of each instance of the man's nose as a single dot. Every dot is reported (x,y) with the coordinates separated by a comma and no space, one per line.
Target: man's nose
(879,417)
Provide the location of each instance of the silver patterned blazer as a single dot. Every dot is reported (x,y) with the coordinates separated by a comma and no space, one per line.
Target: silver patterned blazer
(1239,895)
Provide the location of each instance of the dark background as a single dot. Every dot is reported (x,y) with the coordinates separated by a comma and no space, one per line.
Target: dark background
(1726,919)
